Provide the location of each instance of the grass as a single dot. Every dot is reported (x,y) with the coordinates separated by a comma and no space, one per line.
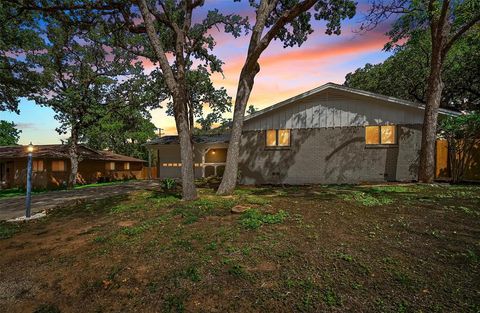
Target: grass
(18,192)
(342,248)
(254,218)
(7,230)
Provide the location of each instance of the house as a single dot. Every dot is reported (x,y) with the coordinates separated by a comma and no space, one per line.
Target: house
(51,166)
(331,134)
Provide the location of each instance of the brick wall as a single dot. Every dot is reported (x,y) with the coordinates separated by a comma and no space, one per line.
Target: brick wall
(330,155)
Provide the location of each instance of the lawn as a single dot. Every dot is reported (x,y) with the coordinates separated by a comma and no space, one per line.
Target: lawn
(18,192)
(412,248)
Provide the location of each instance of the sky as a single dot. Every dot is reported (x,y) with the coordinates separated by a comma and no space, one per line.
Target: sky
(285,72)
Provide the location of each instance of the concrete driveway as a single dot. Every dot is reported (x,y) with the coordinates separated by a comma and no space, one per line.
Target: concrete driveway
(15,206)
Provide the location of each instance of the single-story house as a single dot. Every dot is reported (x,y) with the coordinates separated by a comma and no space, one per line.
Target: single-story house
(331,134)
(51,166)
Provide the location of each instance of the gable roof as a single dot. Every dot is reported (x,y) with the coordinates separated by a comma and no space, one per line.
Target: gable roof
(349,90)
(61,152)
(169,140)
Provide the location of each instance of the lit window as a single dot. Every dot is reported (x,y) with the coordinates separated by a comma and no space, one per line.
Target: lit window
(126,166)
(37,165)
(372,136)
(110,166)
(284,137)
(388,135)
(271,138)
(278,138)
(58,166)
(384,135)
(164,164)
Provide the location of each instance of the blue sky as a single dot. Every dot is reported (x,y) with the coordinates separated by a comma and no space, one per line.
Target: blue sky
(284,72)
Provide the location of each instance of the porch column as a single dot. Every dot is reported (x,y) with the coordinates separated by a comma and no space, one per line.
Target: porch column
(203,163)
(149,164)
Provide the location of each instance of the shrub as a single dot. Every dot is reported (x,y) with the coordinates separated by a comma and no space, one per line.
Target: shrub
(169,184)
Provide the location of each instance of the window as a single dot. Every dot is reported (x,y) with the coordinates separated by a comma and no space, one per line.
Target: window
(271,138)
(58,166)
(126,166)
(37,165)
(278,138)
(381,135)
(110,166)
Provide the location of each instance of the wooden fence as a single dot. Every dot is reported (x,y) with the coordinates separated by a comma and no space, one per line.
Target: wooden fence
(442,170)
(153,172)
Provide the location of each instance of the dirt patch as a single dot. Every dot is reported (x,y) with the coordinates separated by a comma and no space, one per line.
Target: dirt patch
(388,248)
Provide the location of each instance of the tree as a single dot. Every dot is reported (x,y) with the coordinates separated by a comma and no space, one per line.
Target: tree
(289,22)
(446,21)
(9,134)
(162,32)
(17,34)
(251,109)
(201,93)
(404,75)
(125,127)
(463,136)
(77,78)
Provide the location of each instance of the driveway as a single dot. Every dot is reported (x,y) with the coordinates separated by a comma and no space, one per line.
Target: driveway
(15,207)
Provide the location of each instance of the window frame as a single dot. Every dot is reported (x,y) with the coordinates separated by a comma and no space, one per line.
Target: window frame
(277,146)
(108,168)
(379,130)
(59,171)
(35,166)
(126,166)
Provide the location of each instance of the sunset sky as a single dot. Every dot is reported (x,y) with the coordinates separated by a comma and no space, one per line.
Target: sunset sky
(284,72)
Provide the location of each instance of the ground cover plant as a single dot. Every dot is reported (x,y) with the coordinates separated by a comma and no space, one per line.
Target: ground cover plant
(340,248)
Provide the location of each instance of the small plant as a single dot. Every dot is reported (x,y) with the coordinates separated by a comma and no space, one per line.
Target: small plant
(345,257)
(169,184)
(192,273)
(237,270)
(174,303)
(331,298)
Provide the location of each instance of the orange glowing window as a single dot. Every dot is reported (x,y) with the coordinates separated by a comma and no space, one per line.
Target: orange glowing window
(37,165)
(278,138)
(58,166)
(384,135)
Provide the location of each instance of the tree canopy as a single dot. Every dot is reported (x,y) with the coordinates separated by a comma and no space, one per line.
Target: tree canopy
(404,75)
(9,134)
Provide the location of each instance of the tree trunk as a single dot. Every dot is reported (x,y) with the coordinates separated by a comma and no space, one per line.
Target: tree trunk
(189,192)
(229,180)
(426,172)
(73,153)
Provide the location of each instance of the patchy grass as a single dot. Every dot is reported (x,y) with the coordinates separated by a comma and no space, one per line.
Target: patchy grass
(7,229)
(341,248)
(254,218)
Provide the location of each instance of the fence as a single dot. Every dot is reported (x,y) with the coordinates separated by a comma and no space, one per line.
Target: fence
(442,170)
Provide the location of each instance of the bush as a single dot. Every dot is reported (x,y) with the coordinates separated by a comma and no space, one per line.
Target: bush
(169,184)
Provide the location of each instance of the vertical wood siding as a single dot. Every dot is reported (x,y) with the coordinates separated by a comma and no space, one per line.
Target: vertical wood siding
(334,108)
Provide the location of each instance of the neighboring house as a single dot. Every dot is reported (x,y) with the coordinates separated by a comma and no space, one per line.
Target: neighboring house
(51,166)
(331,134)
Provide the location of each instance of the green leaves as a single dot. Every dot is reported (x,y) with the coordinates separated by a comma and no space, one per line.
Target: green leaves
(9,135)
(404,74)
